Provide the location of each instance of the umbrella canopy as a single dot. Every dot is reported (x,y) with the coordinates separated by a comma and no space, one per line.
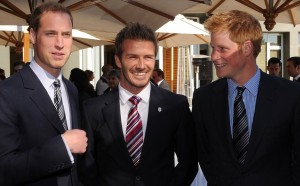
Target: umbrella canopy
(176,40)
(14,36)
(269,11)
(102,15)
(181,32)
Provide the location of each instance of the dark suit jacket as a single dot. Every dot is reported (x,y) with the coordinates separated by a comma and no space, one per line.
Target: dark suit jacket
(32,151)
(274,148)
(168,130)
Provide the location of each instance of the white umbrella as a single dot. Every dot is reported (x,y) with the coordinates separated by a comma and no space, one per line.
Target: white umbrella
(176,40)
(102,15)
(270,11)
(181,32)
(183,25)
(11,35)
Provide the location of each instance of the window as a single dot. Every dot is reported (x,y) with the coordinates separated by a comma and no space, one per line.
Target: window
(272,46)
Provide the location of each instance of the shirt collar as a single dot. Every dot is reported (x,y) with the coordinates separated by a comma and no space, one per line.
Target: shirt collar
(46,78)
(251,85)
(159,82)
(297,77)
(125,94)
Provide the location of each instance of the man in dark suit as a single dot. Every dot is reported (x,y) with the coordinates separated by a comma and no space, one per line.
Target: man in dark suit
(38,145)
(274,66)
(246,135)
(159,79)
(102,83)
(138,153)
(293,68)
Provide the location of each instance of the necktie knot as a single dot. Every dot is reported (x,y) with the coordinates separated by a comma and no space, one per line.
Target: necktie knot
(240,90)
(56,83)
(135,100)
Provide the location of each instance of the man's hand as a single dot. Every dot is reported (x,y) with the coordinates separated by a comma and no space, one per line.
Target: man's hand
(76,140)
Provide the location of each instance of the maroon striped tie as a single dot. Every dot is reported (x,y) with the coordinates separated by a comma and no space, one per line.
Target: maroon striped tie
(134,131)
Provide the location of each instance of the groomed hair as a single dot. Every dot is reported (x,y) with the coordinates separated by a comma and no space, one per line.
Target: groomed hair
(89,73)
(241,27)
(106,68)
(19,63)
(47,7)
(159,72)
(114,73)
(295,60)
(135,31)
(274,60)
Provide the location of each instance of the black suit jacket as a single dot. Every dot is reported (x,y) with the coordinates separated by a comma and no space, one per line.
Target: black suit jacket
(32,151)
(274,148)
(168,130)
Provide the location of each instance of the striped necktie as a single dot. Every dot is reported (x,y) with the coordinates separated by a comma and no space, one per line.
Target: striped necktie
(134,131)
(59,104)
(240,127)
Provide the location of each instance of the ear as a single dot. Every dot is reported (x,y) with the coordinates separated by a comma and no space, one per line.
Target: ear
(32,36)
(118,61)
(247,48)
(298,68)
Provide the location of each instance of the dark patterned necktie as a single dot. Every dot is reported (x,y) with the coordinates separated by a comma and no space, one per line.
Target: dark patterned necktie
(240,127)
(134,131)
(59,104)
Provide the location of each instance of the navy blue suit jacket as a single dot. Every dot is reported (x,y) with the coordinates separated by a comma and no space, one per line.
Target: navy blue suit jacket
(274,148)
(169,130)
(32,151)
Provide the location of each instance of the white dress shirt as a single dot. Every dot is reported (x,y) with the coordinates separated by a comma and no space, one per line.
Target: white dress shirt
(143,106)
(47,81)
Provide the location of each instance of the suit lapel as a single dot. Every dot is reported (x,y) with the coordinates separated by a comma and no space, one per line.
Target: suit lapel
(221,116)
(113,107)
(73,101)
(40,97)
(114,124)
(265,97)
(156,103)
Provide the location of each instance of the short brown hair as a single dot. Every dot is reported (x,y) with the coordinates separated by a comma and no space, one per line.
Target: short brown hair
(135,31)
(46,7)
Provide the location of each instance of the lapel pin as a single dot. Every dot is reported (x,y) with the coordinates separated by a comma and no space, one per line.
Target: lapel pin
(159,109)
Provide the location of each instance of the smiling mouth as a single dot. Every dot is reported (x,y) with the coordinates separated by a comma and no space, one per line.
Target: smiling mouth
(218,66)
(139,73)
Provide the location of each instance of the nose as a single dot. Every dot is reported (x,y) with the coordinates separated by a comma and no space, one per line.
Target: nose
(59,42)
(141,63)
(215,55)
